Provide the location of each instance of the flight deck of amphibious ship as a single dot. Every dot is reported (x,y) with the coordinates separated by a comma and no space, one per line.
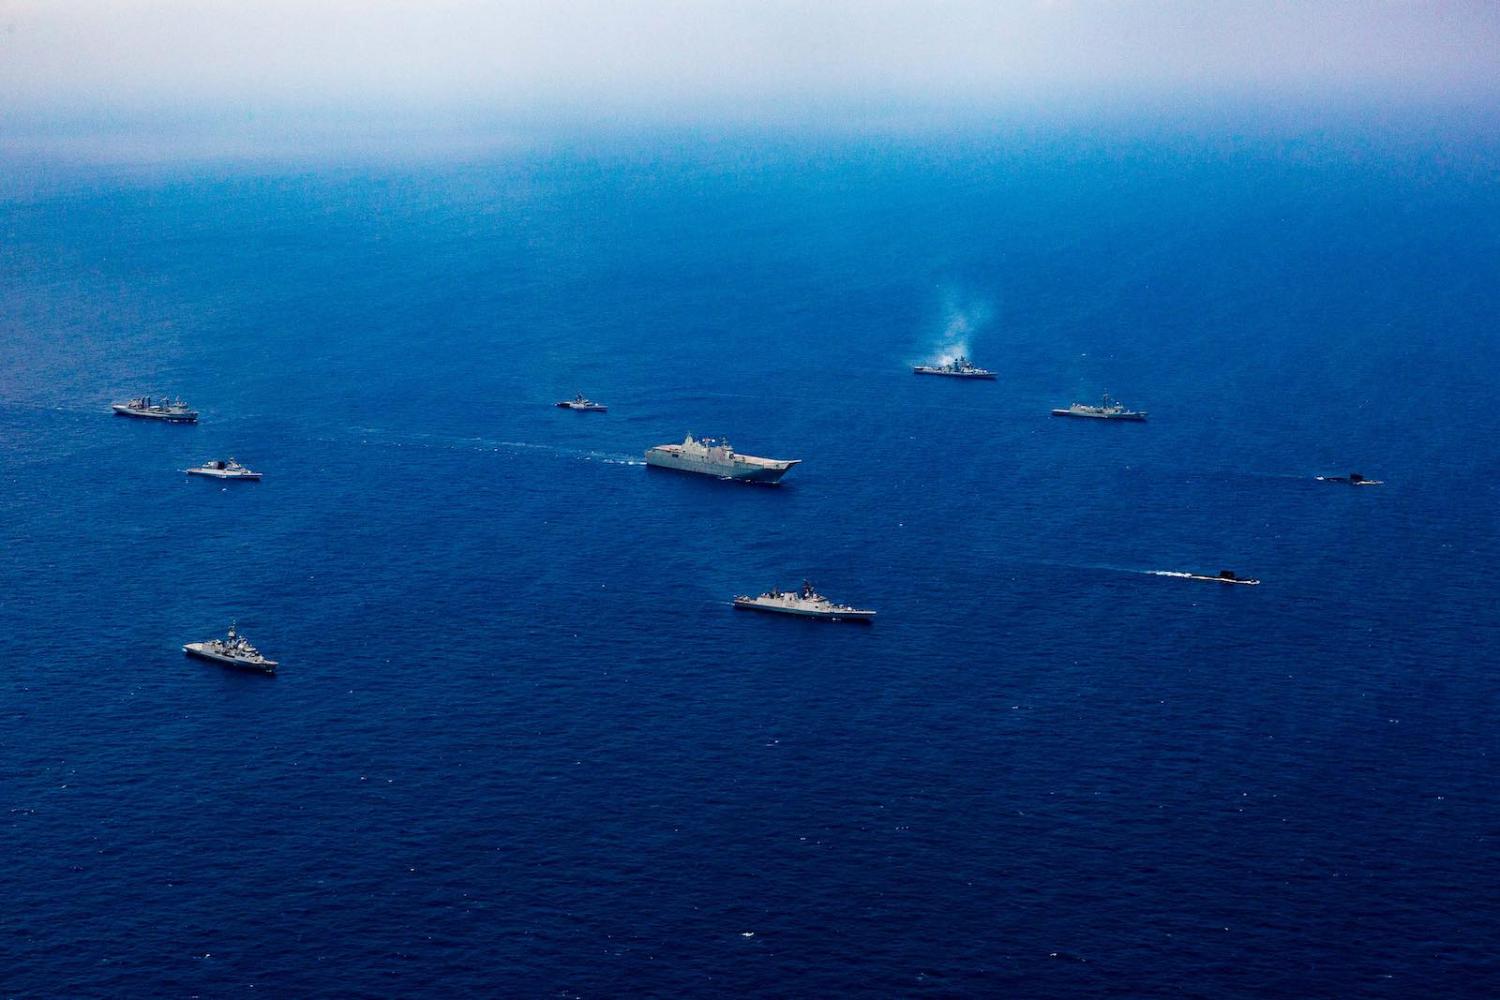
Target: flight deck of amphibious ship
(714,457)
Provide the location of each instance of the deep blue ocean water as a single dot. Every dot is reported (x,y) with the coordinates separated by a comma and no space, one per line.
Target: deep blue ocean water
(521,744)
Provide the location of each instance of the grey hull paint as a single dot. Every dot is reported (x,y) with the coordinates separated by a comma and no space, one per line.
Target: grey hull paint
(835,616)
(174,418)
(1135,417)
(988,376)
(252,477)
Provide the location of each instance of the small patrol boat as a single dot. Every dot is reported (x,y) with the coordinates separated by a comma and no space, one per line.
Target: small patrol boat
(806,603)
(234,650)
(579,402)
(218,469)
(1108,409)
(1352,479)
(172,412)
(1225,576)
(959,367)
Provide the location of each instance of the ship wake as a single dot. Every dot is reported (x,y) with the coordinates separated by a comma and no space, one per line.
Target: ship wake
(381,438)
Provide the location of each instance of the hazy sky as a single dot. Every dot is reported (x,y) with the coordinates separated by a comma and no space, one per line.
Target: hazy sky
(657,56)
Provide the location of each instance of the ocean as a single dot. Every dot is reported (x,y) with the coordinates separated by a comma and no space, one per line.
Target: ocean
(521,744)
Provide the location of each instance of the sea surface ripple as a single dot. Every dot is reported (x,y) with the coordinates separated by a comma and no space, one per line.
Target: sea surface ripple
(521,745)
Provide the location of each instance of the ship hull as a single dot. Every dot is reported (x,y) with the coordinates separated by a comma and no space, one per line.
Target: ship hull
(828,616)
(744,472)
(199,651)
(583,409)
(990,376)
(1133,417)
(253,477)
(167,418)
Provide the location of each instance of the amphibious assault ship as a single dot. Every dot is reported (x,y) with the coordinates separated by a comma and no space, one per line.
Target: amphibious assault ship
(1108,409)
(220,469)
(959,367)
(234,650)
(714,457)
(173,412)
(806,603)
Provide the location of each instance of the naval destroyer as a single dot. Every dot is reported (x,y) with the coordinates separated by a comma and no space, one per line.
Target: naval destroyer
(234,650)
(1108,409)
(959,367)
(714,457)
(806,603)
(220,469)
(173,412)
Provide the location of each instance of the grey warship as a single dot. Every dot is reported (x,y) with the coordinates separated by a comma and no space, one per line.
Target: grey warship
(221,469)
(144,408)
(1108,409)
(959,367)
(234,650)
(715,457)
(582,403)
(805,603)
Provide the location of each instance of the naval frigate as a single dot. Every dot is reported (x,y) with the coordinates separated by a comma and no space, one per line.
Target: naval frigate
(959,367)
(714,457)
(1108,409)
(234,650)
(806,603)
(220,469)
(582,403)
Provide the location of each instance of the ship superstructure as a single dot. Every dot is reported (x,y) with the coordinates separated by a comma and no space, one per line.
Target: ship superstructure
(715,457)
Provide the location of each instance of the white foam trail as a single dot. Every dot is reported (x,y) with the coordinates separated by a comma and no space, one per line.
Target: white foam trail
(612,458)
(387,439)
